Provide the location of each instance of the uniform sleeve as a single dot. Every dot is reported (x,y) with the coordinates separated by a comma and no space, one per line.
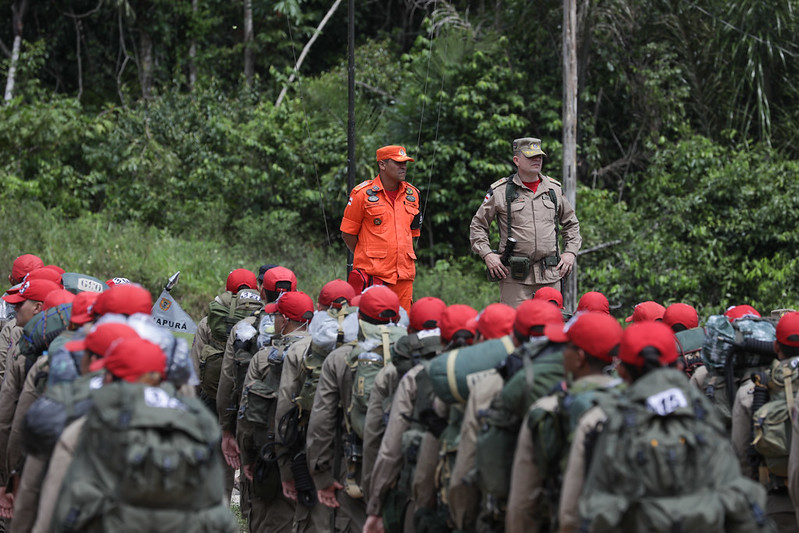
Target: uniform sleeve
(742,427)
(28,395)
(226,401)
(201,338)
(6,341)
(389,461)
(373,426)
(464,495)
(526,495)
(574,475)
(322,425)
(424,483)
(481,222)
(353,213)
(9,395)
(793,458)
(290,385)
(56,472)
(570,226)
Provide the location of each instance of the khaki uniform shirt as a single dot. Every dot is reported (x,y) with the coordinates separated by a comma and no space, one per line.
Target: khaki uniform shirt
(574,476)
(526,498)
(291,381)
(384,386)
(201,337)
(260,367)
(9,335)
(793,461)
(16,450)
(464,496)
(227,397)
(742,427)
(56,472)
(389,460)
(699,377)
(333,391)
(532,225)
(9,396)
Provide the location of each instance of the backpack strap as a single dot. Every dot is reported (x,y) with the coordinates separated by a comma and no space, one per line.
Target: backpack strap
(510,195)
(385,335)
(554,198)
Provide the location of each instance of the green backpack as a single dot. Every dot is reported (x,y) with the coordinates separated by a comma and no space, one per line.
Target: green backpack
(365,361)
(772,421)
(663,463)
(501,422)
(552,432)
(147,460)
(224,312)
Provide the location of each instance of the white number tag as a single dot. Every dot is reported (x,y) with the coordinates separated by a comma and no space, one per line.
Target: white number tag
(666,402)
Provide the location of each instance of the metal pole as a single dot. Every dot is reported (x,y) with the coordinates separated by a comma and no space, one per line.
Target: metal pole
(350,109)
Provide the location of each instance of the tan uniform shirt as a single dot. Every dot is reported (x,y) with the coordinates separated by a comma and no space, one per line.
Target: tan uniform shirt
(384,386)
(9,335)
(201,337)
(526,497)
(56,472)
(464,496)
(291,381)
(16,450)
(389,460)
(9,396)
(333,391)
(742,427)
(574,476)
(532,222)
(793,461)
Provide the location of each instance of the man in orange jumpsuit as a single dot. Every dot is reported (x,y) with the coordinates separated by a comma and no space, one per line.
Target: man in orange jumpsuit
(380,222)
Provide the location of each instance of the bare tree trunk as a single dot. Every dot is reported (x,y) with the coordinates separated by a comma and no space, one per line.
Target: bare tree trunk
(306,50)
(570,129)
(146,62)
(249,67)
(193,50)
(18,14)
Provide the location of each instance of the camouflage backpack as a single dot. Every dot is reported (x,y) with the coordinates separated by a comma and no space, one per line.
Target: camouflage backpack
(365,360)
(552,430)
(662,463)
(772,421)
(147,460)
(224,312)
(732,351)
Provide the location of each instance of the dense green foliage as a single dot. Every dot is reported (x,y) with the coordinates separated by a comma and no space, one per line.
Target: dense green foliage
(118,165)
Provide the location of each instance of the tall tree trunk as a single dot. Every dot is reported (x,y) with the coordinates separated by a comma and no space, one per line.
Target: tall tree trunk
(18,14)
(570,129)
(193,50)
(249,67)
(145,62)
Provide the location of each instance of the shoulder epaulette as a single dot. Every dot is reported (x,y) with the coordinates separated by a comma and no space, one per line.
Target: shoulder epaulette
(499,182)
(416,190)
(556,182)
(361,185)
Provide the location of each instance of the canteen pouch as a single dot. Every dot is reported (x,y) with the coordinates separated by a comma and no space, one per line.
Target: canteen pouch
(519,267)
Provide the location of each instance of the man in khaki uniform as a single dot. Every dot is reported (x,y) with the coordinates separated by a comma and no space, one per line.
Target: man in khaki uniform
(779,503)
(530,319)
(333,299)
(590,340)
(327,428)
(537,208)
(257,426)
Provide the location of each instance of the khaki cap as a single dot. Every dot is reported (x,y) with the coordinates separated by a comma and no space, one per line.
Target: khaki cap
(529,146)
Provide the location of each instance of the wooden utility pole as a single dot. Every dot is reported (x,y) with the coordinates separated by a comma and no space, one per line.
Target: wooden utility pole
(350,109)
(570,130)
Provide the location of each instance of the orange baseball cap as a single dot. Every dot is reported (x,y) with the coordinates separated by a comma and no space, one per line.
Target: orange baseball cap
(396,153)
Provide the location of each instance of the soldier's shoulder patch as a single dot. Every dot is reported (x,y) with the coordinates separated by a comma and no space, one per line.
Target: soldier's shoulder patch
(488,195)
(556,182)
(415,189)
(499,182)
